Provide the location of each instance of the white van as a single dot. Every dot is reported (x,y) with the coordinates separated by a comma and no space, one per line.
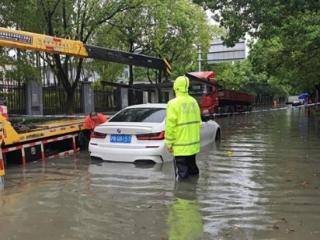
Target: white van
(294,100)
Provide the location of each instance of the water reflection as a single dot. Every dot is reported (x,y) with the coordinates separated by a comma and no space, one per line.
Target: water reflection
(185,219)
(126,201)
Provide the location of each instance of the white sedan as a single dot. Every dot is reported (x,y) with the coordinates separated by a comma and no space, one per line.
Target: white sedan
(136,134)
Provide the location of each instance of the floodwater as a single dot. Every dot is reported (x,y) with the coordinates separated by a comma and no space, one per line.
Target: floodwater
(261,182)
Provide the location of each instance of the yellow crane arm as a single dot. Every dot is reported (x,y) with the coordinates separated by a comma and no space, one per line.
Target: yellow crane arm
(41,42)
(45,43)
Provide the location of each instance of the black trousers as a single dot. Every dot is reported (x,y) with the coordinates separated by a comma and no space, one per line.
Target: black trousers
(84,138)
(185,166)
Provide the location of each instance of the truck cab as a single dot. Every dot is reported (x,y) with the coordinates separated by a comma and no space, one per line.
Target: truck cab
(213,99)
(204,88)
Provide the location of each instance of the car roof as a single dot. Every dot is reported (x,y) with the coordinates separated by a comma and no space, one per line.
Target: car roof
(149,105)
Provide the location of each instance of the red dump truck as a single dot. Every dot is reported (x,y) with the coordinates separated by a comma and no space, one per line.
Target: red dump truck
(213,99)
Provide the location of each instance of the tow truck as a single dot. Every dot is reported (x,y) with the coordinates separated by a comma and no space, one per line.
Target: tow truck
(32,143)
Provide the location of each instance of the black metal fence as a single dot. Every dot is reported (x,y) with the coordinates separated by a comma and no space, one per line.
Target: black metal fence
(14,94)
(137,96)
(107,98)
(140,96)
(55,100)
(262,100)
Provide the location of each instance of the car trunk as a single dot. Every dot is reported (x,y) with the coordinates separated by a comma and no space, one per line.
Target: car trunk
(126,128)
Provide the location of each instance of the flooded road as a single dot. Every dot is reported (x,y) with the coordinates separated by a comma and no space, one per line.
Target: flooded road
(261,182)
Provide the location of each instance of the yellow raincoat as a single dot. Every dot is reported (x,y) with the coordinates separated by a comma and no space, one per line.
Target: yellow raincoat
(183,121)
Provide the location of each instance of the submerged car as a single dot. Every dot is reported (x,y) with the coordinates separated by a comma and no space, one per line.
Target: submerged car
(136,134)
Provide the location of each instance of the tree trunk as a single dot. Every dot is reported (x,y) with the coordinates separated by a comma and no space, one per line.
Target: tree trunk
(69,105)
(63,78)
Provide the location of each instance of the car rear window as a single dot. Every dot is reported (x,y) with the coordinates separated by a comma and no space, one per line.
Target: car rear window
(148,115)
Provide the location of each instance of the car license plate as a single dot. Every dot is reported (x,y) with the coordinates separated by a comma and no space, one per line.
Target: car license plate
(120,138)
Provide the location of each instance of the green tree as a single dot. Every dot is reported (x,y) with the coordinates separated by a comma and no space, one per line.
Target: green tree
(162,28)
(128,31)
(183,27)
(259,18)
(241,76)
(293,24)
(23,65)
(73,19)
(78,20)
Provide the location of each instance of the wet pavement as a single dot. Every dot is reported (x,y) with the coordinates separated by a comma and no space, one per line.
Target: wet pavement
(260,182)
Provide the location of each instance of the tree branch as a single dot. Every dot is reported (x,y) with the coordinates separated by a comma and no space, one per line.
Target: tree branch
(103,20)
(64,17)
(44,10)
(55,7)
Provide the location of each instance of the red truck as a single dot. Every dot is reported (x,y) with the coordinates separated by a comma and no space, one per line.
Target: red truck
(212,99)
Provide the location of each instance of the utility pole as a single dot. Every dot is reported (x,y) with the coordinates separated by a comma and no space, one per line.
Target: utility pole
(199,58)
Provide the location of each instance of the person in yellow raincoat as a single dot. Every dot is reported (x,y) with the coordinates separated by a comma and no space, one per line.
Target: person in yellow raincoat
(182,131)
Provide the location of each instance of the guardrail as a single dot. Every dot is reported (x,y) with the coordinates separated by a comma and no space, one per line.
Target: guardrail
(214,115)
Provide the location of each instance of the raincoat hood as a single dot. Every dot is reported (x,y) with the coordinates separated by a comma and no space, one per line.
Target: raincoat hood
(181,85)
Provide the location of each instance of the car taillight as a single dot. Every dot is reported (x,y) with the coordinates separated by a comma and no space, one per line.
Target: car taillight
(151,136)
(98,135)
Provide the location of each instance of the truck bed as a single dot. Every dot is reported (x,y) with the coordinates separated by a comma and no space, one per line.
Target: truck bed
(235,97)
(31,127)
(33,132)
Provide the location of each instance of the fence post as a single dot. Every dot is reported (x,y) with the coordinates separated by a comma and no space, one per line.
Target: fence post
(124,97)
(34,98)
(145,97)
(155,96)
(87,97)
